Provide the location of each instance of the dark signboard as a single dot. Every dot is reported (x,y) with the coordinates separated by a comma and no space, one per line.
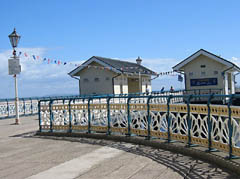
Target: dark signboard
(203,82)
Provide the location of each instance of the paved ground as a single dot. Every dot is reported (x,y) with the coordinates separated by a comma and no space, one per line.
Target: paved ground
(24,155)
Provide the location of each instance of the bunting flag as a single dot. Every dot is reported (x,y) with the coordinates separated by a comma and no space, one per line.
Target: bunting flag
(59,62)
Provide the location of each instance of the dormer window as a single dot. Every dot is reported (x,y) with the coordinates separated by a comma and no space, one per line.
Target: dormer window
(96,79)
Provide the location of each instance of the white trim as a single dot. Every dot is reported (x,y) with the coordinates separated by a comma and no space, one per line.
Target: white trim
(201,52)
(93,59)
(226,83)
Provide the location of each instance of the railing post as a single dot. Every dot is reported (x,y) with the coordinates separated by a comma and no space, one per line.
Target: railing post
(129,116)
(89,116)
(230,127)
(108,116)
(8,109)
(149,118)
(51,116)
(24,107)
(209,122)
(64,111)
(168,118)
(189,121)
(39,116)
(70,116)
(31,106)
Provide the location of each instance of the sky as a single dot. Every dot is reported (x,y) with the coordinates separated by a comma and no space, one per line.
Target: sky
(162,33)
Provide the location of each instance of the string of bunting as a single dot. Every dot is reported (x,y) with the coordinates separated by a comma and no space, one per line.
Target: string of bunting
(59,62)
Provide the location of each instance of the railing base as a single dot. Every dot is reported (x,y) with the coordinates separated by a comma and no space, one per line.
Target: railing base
(192,145)
(148,138)
(211,150)
(232,157)
(171,141)
(130,135)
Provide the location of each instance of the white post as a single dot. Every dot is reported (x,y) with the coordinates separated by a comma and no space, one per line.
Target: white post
(232,83)
(16,101)
(140,82)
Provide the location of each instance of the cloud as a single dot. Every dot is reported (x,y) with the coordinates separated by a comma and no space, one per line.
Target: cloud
(37,77)
(157,64)
(41,79)
(234,59)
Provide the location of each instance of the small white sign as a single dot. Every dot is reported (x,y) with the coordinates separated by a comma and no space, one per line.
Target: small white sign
(14,66)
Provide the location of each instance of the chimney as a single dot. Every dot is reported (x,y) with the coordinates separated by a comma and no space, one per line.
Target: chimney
(139,60)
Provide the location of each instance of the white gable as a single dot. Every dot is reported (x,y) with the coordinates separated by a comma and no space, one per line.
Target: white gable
(205,53)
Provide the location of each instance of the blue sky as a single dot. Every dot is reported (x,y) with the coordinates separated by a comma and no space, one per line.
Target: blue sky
(162,33)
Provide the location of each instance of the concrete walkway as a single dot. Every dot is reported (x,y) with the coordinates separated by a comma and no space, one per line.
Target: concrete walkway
(24,155)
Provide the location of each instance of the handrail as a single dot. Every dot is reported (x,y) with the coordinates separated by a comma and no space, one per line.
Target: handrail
(161,116)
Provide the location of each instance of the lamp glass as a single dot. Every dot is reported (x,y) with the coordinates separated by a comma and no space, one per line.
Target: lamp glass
(14,38)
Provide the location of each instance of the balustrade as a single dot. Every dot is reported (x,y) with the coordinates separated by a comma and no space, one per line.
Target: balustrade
(159,116)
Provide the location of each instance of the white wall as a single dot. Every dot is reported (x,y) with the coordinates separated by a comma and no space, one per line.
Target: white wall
(103,86)
(210,70)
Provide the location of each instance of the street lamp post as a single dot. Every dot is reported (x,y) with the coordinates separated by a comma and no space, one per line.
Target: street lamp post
(15,68)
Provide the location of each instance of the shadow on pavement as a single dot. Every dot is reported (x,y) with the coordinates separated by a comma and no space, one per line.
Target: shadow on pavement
(187,167)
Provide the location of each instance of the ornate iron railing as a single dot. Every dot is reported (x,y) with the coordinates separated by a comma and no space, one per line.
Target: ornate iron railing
(209,125)
(27,106)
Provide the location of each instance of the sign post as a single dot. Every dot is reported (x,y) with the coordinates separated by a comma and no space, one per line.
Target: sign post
(14,68)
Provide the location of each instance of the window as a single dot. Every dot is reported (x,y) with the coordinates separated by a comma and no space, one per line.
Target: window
(215,72)
(190,73)
(203,66)
(85,80)
(107,78)
(96,79)
(203,73)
